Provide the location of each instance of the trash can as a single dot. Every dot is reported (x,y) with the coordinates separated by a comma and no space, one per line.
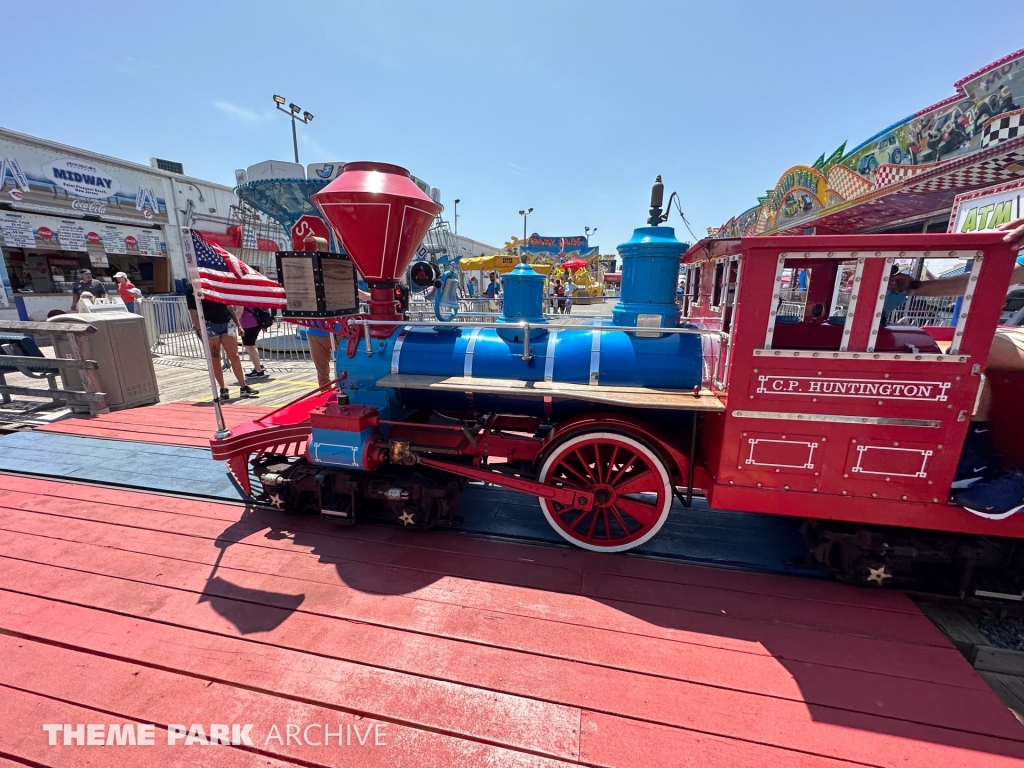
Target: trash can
(121,349)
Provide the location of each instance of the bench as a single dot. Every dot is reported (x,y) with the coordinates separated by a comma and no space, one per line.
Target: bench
(19,353)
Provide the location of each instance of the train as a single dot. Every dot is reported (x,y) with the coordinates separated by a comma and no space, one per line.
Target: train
(815,408)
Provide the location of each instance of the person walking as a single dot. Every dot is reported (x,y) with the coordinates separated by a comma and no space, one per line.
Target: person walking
(560,296)
(570,291)
(128,292)
(86,284)
(551,295)
(492,292)
(222,331)
(251,321)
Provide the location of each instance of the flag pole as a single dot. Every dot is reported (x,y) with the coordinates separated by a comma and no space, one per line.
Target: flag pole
(193,275)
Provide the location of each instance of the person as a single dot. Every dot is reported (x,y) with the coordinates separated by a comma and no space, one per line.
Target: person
(493,291)
(128,292)
(86,284)
(250,327)
(551,295)
(560,295)
(982,485)
(471,287)
(221,330)
(570,291)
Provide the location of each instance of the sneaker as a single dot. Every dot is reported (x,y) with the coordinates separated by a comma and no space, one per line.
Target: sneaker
(247,391)
(995,499)
(224,394)
(254,374)
(978,459)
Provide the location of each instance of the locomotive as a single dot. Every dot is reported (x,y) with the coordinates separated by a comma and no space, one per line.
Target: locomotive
(821,411)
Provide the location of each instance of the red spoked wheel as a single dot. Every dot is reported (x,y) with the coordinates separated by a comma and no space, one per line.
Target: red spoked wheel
(632,491)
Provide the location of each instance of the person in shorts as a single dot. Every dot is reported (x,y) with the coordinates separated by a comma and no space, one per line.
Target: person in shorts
(250,327)
(983,485)
(222,331)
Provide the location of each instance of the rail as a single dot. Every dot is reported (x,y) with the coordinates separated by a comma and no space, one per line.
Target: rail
(36,366)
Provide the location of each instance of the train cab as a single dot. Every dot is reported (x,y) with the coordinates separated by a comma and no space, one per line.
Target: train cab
(843,404)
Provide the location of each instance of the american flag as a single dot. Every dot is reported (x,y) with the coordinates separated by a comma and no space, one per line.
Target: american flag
(228,280)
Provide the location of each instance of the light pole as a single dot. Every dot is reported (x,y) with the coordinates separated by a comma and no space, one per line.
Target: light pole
(293,112)
(457,201)
(588,231)
(524,214)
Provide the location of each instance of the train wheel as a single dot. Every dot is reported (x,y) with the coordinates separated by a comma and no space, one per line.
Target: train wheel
(632,491)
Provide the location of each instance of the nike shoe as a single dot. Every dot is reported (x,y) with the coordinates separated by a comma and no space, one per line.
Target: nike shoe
(260,374)
(978,459)
(224,394)
(247,391)
(995,499)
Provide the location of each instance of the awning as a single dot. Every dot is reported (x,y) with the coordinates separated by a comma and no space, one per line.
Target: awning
(233,239)
(499,262)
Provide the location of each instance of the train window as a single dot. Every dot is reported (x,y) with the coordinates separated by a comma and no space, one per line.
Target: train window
(850,303)
(695,281)
(718,285)
(732,283)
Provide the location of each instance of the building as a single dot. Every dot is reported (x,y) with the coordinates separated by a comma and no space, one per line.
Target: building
(64,208)
(905,178)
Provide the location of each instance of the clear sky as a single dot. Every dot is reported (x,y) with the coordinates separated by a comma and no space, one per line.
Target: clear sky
(571,108)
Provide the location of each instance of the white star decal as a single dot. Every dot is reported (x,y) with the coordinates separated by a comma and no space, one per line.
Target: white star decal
(276,501)
(878,575)
(406,518)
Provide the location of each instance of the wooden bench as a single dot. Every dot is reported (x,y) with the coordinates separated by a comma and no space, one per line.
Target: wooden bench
(19,353)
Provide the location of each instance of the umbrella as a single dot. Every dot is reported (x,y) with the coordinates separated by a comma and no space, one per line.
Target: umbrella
(575,264)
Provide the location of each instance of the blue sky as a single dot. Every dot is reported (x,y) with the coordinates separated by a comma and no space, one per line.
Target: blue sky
(571,108)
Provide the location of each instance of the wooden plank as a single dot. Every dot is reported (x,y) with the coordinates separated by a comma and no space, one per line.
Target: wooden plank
(485,642)
(1009,688)
(23,738)
(514,722)
(509,721)
(30,361)
(639,397)
(989,659)
(54,394)
(954,625)
(27,326)
(894,625)
(141,693)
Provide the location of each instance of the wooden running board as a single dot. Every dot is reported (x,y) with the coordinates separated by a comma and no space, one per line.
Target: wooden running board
(633,397)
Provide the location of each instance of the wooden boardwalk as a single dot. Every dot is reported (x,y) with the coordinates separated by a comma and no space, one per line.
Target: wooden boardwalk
(119,606)
(122,606)
(178,423)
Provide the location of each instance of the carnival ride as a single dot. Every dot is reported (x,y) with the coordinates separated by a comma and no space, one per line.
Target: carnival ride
(835,417)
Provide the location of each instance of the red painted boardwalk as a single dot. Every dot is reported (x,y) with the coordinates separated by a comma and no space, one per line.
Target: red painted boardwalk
(121,607)
(180,423)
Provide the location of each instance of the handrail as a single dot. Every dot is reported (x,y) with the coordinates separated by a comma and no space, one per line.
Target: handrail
(542,327)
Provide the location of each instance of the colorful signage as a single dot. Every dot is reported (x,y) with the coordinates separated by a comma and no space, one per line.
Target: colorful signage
(985,114)
(81,179)
(39,179)
(559,249)
(985,209)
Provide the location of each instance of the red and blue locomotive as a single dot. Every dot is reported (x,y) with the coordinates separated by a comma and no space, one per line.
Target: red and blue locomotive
(814,408)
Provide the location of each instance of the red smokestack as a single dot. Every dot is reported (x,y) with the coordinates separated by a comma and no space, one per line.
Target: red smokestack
(379,215)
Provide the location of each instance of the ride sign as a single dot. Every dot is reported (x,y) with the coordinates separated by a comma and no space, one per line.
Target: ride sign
(308,226)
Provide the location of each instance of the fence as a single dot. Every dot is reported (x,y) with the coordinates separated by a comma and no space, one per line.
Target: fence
(170,331)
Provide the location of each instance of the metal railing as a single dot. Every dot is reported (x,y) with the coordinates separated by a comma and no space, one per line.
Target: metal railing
(170,331)
(924,310)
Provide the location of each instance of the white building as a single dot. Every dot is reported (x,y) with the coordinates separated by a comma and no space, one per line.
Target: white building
(64,208)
